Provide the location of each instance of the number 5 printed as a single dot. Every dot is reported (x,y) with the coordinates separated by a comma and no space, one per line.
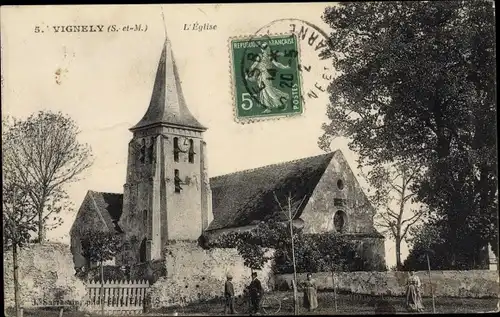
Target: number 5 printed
(246,97)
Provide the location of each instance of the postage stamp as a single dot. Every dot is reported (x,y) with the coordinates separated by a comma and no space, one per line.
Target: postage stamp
(266,78)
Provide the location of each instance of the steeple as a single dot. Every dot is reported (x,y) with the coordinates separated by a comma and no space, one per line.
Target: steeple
(167,106)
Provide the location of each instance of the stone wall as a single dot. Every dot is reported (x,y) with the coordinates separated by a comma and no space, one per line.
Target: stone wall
(45,272)
(475,283)
(195,274)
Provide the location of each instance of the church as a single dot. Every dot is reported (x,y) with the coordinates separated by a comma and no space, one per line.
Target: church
(169,199)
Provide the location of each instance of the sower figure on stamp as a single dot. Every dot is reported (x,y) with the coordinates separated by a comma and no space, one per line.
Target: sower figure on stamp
(256,291)
(270,97)
(229,295)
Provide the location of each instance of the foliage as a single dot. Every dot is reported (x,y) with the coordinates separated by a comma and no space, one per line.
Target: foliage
(430,241)
(111,273)
(313,252)
(19,216)
(417,85)
(393,198)
(44,155)
(100,246)
(18,211)
(319,253)
(253,244)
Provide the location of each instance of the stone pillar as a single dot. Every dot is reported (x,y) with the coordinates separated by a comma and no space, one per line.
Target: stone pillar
(206,191)
(154,221)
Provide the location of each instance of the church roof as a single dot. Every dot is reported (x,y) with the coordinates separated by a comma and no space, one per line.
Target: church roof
(109,205)
(246,197)
(167,105)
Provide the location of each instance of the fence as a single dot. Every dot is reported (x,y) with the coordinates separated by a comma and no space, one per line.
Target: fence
(120,297)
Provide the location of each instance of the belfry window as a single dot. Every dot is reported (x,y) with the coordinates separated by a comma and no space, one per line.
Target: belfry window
(142,155)
(176,149)
(177,182)
(151,150)
(145,217)
(191,151)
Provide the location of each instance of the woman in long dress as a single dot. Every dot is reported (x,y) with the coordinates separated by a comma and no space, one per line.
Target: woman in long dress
(310,293)
(413,295)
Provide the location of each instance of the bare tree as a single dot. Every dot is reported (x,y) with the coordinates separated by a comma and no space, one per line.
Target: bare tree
(393,197)
(290,211)
(45,155)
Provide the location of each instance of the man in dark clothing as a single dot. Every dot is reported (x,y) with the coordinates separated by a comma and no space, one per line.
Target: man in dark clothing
(229,295)
(256,291)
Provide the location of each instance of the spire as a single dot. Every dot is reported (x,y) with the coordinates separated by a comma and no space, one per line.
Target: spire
(167,104)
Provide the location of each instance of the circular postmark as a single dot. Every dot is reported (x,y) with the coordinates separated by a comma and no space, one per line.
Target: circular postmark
(281,67)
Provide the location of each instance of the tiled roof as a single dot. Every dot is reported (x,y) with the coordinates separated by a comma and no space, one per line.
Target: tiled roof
(246,197)
(110,205)
(167,104)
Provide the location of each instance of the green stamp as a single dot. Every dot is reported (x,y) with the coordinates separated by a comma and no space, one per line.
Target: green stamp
(266,78)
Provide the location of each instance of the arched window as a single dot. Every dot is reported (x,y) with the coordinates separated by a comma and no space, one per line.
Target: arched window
(339,221)
(142,155)
(191,151)
(176,149)
(177,182)
(142,251)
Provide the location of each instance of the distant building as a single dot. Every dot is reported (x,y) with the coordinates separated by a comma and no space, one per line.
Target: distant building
(168,195)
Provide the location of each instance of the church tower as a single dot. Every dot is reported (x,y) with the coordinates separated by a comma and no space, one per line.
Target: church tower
(167,193)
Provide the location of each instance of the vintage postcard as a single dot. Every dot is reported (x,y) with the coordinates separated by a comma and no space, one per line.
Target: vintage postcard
(284,158)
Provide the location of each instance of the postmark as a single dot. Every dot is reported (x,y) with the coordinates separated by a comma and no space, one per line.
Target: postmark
(266,76)
(311,58)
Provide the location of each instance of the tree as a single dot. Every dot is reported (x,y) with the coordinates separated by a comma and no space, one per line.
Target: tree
(19,215)
(290,212)
(392,197)
(429,240)
(417,85)
(45,155)
(101,246)
(19,221)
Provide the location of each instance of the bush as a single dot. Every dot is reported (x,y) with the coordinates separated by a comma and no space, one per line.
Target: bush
(323,253)
(111,273)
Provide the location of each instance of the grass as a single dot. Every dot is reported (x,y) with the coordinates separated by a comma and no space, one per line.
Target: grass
(346,304)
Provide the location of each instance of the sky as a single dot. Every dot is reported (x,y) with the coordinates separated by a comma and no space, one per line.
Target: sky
(104,80)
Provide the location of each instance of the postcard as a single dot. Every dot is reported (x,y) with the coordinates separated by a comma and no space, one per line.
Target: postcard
(249,158)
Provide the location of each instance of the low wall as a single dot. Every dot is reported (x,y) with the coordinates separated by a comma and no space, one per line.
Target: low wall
(195,274)
(45,272)
(473,284)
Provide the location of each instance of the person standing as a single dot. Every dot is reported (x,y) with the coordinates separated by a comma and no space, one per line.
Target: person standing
(229,295)
(310,293)
(256,291)
(413,295)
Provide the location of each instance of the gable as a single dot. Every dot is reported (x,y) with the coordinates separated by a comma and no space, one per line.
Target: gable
(338,190)
(352,187)
(86,216)
(98,208)
(247,197)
